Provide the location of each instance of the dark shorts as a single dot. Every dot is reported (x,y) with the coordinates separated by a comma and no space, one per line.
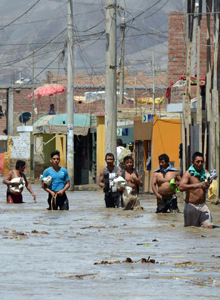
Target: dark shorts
(61,202)
(12,198)
(113,200)
(168,203)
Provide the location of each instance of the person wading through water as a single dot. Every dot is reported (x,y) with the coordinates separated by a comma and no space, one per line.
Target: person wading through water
(59,184)
(107,175)
(19,180)
(166,193)
(194,183)
(131,175)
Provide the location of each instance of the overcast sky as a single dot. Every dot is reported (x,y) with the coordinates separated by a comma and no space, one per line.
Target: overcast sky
(41,25)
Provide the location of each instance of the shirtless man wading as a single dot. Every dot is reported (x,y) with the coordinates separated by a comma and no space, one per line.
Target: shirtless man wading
(166,196)
(196,211)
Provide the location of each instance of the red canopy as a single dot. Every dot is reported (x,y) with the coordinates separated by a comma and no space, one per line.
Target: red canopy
(48,90)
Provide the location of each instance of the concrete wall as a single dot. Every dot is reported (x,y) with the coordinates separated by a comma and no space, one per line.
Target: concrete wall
(18,148)
(142,131)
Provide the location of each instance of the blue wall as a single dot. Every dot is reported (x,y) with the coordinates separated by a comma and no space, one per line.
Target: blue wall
(127,138)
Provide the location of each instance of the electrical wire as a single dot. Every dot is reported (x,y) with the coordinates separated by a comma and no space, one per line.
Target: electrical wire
(84,57)
(20,15)
(47,66)
(45,20)
(13,62)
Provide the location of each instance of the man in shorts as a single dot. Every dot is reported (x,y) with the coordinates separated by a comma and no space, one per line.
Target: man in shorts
(59,184)
(166,196)
(196,211)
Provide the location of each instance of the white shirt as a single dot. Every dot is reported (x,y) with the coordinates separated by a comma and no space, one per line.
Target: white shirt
(119,149)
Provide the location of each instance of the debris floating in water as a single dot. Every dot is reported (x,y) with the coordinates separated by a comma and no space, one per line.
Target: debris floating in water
(127,260)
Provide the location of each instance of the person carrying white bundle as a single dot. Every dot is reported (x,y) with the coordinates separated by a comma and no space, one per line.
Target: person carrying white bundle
(47,180)
(18,188)
(16,180)
(133,182)
(58,185)
(122,183)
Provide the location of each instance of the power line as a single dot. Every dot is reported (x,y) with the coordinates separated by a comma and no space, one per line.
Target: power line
(47,66)
(46,20)
(81,53)
(20,16)
(11,63)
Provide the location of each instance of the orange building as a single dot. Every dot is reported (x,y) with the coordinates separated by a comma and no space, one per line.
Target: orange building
(163,135)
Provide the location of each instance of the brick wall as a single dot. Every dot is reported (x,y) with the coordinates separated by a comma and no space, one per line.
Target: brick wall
(178,47)
(23,103)
(138,79)
(177,94)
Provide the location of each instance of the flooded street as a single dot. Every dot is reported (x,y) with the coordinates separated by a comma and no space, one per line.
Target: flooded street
(81,253)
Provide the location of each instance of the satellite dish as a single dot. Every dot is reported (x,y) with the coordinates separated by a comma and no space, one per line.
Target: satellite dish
(25,117)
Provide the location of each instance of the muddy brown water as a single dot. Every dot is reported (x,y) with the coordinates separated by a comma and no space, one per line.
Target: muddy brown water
(52,255)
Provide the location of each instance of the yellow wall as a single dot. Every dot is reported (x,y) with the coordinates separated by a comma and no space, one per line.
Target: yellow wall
(61,146)
(166,139)
(49,146)
(100,144)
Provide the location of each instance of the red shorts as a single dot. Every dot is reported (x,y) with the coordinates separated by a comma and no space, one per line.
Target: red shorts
(12,198)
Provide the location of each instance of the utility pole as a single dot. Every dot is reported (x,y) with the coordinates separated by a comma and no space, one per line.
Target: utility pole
(216,63)
(208,97)
(187,98)
(70,99)
(122,59)
(33,100)
(198,96)
(110,83)
(215,102)
(153,68)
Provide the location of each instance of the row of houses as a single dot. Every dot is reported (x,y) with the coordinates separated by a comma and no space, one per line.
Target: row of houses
(40,136)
